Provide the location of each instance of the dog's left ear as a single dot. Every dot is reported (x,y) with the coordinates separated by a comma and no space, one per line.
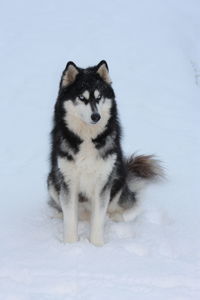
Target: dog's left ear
(103,71)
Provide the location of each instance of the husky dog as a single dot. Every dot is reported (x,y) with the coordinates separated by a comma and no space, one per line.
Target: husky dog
(87,164)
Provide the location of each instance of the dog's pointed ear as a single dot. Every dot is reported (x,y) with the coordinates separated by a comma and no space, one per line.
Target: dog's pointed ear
(103,71)
(69,74)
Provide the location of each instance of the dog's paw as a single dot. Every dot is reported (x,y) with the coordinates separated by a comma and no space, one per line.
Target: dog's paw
(57,215)
(96,241)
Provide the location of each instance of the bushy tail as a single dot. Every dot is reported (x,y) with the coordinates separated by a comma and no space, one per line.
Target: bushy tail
(143,169)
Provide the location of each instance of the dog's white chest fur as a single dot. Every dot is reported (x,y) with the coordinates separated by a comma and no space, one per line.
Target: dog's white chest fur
(88,170)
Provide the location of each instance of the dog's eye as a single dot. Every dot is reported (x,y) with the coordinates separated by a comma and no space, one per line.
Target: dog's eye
(81,97)
(98,97)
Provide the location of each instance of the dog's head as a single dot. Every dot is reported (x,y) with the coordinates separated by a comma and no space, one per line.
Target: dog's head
(86,95)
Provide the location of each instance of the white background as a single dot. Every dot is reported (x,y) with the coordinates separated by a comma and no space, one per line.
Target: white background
(153,52)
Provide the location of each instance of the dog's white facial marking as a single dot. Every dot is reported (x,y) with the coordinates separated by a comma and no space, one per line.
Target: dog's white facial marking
(86,94)
(84,111)
(96,94)
(78,117)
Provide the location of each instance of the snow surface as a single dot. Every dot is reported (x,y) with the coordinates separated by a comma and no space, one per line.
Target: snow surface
(153,51)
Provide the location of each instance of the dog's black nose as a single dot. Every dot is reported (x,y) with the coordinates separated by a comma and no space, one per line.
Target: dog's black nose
(95,117)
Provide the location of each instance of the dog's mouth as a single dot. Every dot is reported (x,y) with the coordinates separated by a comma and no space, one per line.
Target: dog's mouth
(94,123)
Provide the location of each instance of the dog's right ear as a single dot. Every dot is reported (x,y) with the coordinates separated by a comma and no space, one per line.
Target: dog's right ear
(102,70)
(69,74)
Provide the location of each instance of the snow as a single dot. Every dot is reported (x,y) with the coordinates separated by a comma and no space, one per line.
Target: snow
(153,51)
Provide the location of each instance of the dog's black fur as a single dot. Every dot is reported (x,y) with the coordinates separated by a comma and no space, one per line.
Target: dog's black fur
(90,80)
(108,142)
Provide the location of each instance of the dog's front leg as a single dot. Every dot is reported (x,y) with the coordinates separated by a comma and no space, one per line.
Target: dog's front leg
(98,213)
(69,204)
